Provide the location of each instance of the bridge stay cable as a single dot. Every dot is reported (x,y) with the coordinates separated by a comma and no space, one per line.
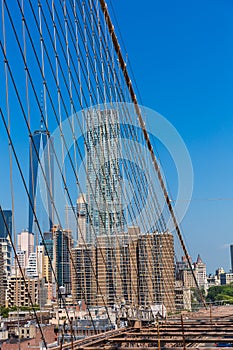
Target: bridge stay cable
(79,64)
(146,136)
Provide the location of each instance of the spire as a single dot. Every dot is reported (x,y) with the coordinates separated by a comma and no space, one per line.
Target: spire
(42,110)
(199,259)
(41,124)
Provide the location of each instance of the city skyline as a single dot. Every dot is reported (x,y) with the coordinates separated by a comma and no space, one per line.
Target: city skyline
(180,54)
(116,192)
(201,112)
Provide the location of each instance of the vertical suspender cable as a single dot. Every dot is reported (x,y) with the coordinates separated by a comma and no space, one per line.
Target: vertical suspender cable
(146,135)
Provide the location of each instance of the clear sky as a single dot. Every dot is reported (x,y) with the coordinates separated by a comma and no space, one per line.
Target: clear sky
(181,53)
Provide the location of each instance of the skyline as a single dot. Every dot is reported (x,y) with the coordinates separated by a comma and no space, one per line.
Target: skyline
(181,78)
(116,138)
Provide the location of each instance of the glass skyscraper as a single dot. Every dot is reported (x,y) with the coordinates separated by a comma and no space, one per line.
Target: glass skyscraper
(5,244)
(61,257)
(41,181)
(4,229)
(103,182)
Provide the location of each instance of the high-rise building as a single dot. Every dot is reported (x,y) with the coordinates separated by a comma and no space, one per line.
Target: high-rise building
(184,273)
(70,222)
(41,262)
(40,181)
(156,270)
(5,243)
(21,255)
(6,251)
(182,296)
(231,253)
(3,280)
(61,258)
(103,183)
(82,218)
(49,262)
(102,272)
(26,243)
(200,272)
(31,268)
(137,268)
(83,272)
(6,226)
(48,242)
(108,271)
(18,291)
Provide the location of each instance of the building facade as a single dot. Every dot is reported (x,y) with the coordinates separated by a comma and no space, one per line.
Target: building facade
(231,256)
(3,281)
(226,278)
(5,240)
(156,270)
(84,276)
(6,224)
(82,219)
(138,270)
(31,268)
(26,244)
(103,183)
(61,258)
(200,273)
(40,181)
(18,291)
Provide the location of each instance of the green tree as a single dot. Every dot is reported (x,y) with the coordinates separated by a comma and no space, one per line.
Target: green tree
(217,293)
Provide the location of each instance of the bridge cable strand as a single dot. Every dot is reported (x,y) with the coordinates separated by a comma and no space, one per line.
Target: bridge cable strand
(149,145)
(99,76)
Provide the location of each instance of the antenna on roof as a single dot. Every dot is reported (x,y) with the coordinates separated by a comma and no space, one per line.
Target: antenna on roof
(41,124)
(42,109)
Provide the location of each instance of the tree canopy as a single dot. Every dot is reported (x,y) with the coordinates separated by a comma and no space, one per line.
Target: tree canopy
(217,293)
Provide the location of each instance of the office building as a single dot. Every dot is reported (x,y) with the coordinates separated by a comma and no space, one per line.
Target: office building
(182,296)
(103,183)
(26,244)
(40,181)
(3,281)
(83,271)
(41,261)
(5,243)
(48,242)
(6,225)
(185,274)
(117,267)
(48,258)
(21,256)
(231,256)
(82,218)
(31,268)
(200,273)
(226,278)
(156,270)
(134,268)
(61,258)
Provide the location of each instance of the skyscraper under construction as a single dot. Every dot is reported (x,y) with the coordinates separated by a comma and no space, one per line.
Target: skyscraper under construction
(137,268)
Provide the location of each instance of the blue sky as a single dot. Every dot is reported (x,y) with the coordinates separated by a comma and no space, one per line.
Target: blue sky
(181,53)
